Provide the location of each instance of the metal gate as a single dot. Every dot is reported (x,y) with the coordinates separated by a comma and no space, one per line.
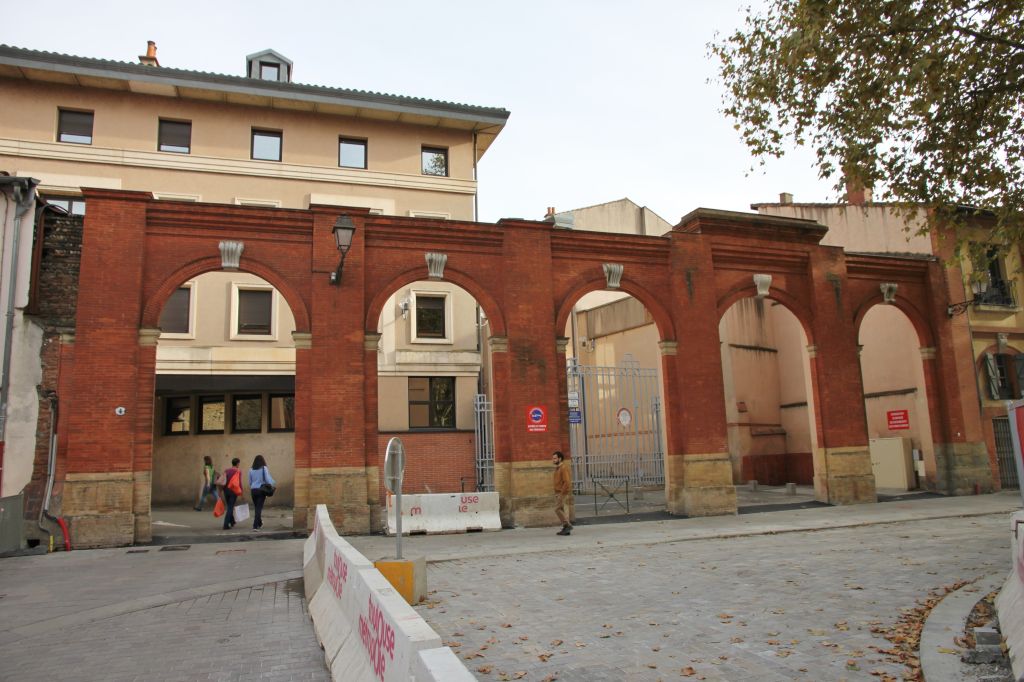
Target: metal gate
(484,443)
(615,424)
(1004,453)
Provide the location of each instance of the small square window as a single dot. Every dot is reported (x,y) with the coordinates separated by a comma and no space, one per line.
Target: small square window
(431,402)
(266,145)
(248,414)
(74,126)
(255,311)
(174,136)
(211,414)
(351,153)
(430,317)
(178,417)
(270,71)
(435,161)
(282,413)
(176,315)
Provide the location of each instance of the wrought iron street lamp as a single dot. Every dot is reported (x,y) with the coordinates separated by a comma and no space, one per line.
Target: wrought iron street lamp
(343,230)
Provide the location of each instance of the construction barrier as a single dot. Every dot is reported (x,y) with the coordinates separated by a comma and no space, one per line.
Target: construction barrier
(1010,603)
(367,630)
(313,553)
(445,513)
(440,664)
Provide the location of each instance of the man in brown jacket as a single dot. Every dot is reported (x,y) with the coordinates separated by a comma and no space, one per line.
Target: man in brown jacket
(563,488)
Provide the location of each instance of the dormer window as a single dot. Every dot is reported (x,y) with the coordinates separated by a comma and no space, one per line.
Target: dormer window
(270,72)
(269,65)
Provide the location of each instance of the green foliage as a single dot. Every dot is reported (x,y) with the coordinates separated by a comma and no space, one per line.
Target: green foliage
(924,98)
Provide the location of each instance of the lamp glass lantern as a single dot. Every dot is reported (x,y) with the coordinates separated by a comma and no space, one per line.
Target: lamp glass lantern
(344,229)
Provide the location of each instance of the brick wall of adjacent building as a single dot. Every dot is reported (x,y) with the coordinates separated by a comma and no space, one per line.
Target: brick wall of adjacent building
(52,306)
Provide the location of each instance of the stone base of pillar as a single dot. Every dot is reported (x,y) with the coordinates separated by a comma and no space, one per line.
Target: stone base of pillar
(526,494)
(962,469)
(98,509)
(699,484)
(844,476)
(142,490)
(343,491)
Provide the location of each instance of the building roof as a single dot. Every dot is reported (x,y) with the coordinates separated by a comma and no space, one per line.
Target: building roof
(52,67)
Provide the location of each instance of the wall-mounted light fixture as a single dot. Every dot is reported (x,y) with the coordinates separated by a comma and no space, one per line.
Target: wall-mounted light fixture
(343,230)
(404,307)
(979,288)
(763,284)
(888,291)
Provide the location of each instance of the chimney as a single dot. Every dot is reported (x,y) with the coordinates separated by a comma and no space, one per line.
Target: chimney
(550,215)
(149,59)
(785,198)
(857,194)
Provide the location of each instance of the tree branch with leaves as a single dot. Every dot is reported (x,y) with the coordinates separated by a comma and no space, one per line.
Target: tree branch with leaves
(923,99)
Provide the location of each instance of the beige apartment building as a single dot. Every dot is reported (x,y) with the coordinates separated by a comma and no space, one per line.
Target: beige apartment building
(225,358)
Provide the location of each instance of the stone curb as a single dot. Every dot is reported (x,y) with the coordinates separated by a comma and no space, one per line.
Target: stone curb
(947,621)
(138,604)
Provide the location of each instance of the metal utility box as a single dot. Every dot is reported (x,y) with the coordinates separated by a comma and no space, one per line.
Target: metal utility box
(12,524)
(892,462)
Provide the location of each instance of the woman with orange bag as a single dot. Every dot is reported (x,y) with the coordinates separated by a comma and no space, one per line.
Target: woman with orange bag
(232,492)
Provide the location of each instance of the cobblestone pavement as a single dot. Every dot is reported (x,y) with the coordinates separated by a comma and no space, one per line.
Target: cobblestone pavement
(794,606)
(209,612)
(261,632)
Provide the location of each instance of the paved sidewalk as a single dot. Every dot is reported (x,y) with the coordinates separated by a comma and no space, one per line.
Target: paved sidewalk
(211,612)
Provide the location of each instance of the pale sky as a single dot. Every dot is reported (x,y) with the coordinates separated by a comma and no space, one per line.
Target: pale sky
(608,99)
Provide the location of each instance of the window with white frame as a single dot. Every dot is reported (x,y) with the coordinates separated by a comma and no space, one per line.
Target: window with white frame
(177,320)
(253,312)
(431,317)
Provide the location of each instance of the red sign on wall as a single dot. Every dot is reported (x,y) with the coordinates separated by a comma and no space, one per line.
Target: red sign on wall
(536,419)
(898,419)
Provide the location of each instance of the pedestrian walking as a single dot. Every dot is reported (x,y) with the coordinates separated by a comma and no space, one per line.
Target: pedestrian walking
(563,488)
(261,486)
(232,492)
(207,487)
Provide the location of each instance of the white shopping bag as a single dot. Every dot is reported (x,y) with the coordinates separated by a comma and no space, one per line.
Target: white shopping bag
(241,512)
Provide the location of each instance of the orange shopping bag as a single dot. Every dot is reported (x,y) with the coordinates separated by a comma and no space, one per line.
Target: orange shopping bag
(219,508)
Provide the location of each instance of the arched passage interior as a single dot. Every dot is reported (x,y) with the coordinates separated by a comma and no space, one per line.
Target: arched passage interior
(225,388)
(769,404)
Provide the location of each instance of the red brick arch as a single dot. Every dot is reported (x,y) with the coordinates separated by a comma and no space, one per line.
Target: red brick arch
(452,276)
(155,305)
(780,296)
(583,286)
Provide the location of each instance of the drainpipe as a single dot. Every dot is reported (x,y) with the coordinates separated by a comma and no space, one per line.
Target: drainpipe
(476,187)
(23,192)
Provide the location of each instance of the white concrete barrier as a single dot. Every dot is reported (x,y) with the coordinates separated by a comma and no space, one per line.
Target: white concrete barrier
(335,606)
(313,553)
(445,513)
(439,665)
(1010,603)
(368,631)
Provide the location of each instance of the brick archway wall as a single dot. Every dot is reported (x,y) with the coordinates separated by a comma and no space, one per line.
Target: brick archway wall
(524,273)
